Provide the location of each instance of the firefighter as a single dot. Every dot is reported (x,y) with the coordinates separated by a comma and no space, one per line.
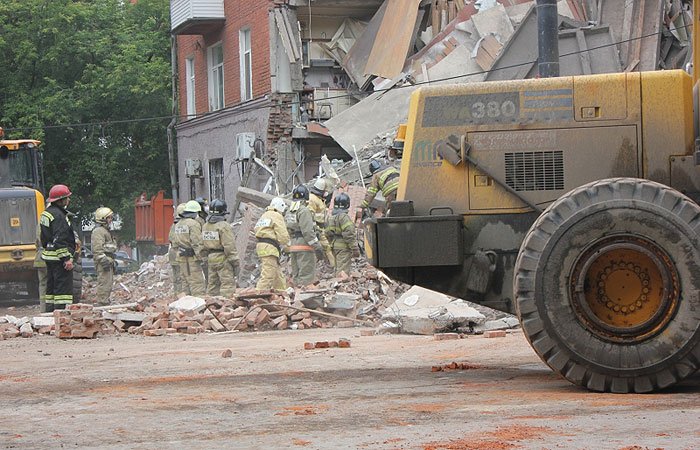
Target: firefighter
(103,249)
(341,234)
(58,242)
(385,179)
(220,243)
(317,205)
(173,250)
(202,215)
(305,244)
(273,238)
(188,238)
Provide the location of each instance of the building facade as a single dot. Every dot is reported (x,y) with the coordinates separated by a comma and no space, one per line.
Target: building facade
(251,76)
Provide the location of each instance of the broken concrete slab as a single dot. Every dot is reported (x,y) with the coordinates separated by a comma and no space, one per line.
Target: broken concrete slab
(422,311)
(342,300)
(500,324)
(189,303)
(310,300)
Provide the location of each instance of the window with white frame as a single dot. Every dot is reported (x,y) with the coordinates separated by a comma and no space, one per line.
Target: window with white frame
(246,65)
(189,79)
(215,61)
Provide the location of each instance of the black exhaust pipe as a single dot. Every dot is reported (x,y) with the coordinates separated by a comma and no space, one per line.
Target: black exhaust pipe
(548,38)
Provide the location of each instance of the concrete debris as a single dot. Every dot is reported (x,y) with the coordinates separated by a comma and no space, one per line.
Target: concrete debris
(422,311)
(188,303)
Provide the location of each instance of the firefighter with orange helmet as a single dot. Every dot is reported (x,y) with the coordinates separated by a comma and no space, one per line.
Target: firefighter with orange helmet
(58,242)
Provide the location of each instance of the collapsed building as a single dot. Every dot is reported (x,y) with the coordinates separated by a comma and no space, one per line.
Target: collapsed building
(266,88)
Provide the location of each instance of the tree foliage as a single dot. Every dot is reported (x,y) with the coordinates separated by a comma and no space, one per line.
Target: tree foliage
(78,75)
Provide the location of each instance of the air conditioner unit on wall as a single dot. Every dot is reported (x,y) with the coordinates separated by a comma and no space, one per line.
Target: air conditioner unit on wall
(244,145)
(193,168)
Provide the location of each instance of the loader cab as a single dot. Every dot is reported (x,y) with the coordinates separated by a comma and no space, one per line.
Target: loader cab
(21,164)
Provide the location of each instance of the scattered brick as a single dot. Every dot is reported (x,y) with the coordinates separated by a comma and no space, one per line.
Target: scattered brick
(309,346)
(495,333)
(344,343)
(445,336)
(227,353)
(322,344)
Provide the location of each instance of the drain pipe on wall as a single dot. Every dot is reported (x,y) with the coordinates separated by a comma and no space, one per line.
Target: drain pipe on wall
(171,126)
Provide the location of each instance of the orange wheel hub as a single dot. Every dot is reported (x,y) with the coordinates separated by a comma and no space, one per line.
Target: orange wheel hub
(624,288)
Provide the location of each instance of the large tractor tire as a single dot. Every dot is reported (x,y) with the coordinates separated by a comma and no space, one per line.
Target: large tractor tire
(607,286)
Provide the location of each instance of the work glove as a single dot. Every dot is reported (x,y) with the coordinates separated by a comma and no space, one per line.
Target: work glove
(107,263)
(68,264)
(236,265)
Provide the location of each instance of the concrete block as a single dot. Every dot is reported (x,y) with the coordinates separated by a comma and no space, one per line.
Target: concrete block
(446,336)
(188,303)
(40,322)
(343,300)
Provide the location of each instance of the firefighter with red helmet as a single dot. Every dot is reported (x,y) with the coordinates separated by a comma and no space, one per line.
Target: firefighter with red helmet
(58,242)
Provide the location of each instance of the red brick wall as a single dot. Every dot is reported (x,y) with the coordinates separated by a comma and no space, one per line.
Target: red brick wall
(240,14)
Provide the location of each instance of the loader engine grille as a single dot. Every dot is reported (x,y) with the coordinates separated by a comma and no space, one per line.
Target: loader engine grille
(535,171)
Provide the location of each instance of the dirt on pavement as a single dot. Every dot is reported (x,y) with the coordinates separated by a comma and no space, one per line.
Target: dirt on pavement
(178,391)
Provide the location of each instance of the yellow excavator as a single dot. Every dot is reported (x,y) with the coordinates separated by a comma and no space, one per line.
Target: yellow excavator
(572,202)
(21,204)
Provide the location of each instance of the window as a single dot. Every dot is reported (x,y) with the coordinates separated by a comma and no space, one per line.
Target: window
(216,179)
(189,79)
(215,58)
(246,65)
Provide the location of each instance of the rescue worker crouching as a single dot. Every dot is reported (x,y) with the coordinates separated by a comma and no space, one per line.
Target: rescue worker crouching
(220,245)
(317,204)
(188,238)
(103,249)
(305,243)
(385,179)
(58,242)
(341,234)
(273,237)
(173,250)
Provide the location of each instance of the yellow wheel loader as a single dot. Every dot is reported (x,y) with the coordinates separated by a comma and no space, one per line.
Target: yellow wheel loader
(569,201)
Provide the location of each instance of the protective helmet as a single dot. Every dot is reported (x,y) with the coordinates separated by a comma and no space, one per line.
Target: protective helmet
(279,205)
(374,166)
(102,214)
(342,201)
(300,193)
(180,209)
(217,206)
(58,192)
(202,202)
(192,206)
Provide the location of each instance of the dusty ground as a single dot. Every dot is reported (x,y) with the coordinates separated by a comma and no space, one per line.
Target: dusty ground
(178,392)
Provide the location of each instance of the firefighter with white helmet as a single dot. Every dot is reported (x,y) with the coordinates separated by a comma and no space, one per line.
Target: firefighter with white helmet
(318,193)
(103,249)
(273,237)
(173,250)
(188,238)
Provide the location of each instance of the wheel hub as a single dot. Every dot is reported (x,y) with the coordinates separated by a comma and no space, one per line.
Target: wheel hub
(624,288)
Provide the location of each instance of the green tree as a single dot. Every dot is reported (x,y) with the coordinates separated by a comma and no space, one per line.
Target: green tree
(100,66)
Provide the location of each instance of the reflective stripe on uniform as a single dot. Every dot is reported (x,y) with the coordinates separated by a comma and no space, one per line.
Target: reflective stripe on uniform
(62,299)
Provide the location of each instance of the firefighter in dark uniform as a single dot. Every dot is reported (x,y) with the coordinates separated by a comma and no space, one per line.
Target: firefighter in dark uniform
(58,242)
(341,234)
